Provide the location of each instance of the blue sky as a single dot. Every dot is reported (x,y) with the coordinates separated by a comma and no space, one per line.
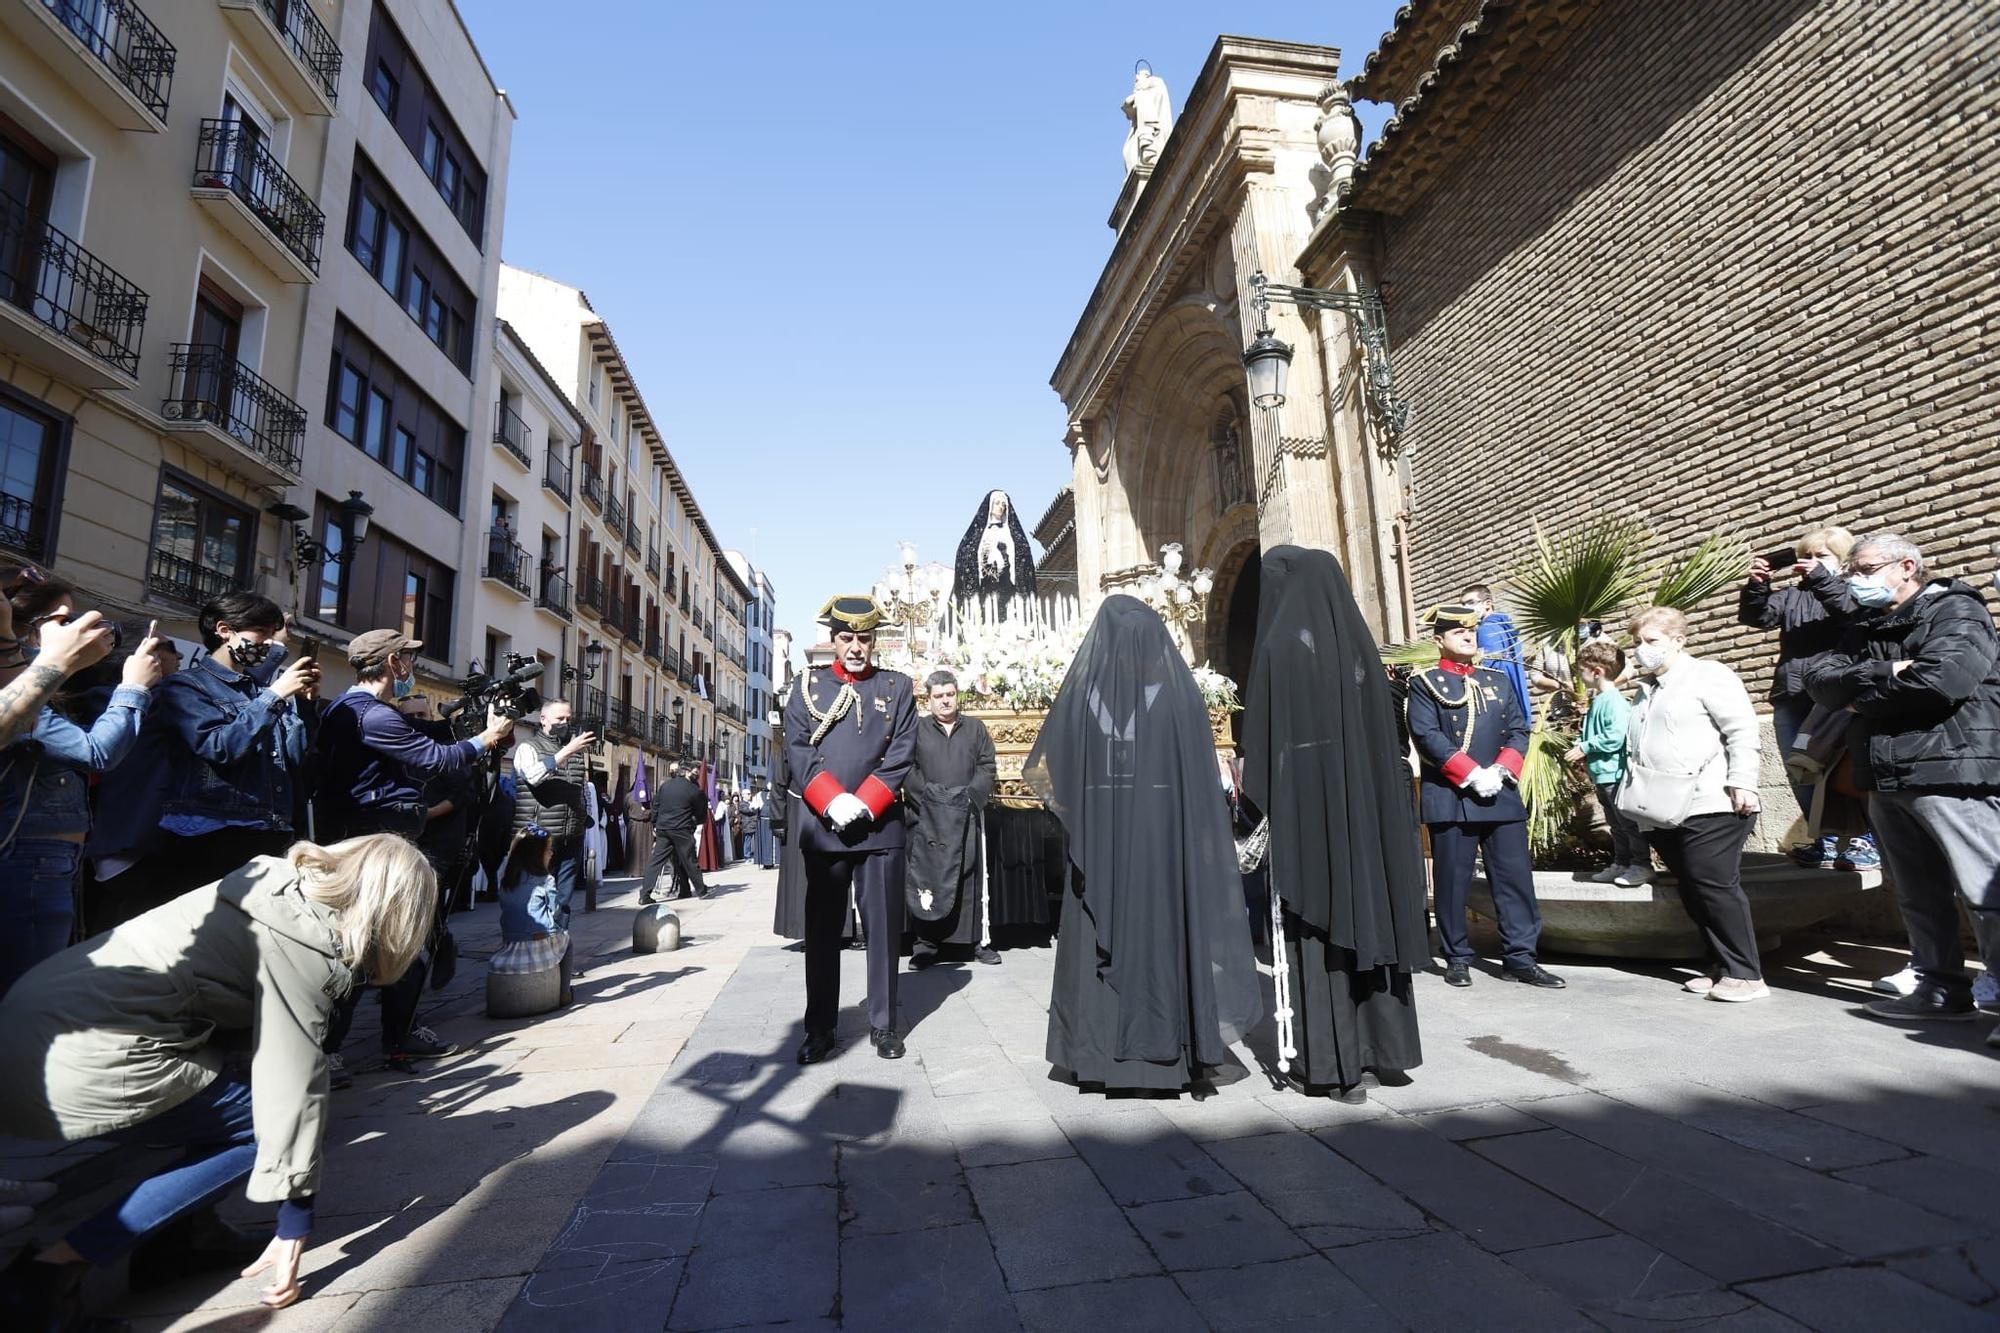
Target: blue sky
(843,246)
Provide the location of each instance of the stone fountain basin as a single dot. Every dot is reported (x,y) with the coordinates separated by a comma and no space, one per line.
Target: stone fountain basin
(1610,921)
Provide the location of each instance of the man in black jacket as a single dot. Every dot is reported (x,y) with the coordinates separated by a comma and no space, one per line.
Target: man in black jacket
(1921,672)
(679,806)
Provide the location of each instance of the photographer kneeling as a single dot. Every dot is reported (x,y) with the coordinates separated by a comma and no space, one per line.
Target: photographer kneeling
(374,763)
(122,1037)
(549,773)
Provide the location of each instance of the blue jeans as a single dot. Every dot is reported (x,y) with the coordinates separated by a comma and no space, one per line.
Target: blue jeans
(566,861)
(1787,716)
(39,875)
(214,1126)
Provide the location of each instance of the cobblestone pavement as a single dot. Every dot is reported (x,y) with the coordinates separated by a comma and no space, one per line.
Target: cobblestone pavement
(1619,1155)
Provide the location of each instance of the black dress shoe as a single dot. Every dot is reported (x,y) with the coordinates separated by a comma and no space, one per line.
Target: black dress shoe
(1353,1096)
(922,957)
(1536,976)
(816,1047)
(1457,973)
(986,956)
(887,1044)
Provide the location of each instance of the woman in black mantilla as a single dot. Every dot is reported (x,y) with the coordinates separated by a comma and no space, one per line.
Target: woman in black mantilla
(1154,973)
(993,557)
(1323,761)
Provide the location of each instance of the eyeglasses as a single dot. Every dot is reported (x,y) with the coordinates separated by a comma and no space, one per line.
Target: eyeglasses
(1854,567)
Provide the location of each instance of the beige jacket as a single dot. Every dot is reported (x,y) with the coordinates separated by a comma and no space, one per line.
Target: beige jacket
(1697,718)
(116,1030)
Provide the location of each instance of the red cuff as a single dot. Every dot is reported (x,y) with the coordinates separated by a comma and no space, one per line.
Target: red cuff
(819,793)
(1458,768)
(1510,759)
(875,794)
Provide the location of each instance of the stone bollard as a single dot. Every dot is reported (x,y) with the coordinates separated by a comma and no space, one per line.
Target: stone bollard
(523,994)
(655,929)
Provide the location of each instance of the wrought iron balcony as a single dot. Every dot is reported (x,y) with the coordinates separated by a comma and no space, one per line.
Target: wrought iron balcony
(654,648)
(653,560)
(632,542)
(556,473)
(306,39)
(510,430)
(506,561)
(634,632)
(124,47)
(593,487)
(185,581)
(554,594)
(590,707)
(230,157)
(211,387)
(614,515)
(591,596)
(70,292)
(657,733)
(24,527)
(672,661)
(613,612)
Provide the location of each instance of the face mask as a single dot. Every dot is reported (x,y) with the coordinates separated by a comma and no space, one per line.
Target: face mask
(402,687)
(1653,656)
(560,732)
(248,653)
(1870,590)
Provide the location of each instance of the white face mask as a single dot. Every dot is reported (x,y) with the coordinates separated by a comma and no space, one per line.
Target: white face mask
(1653,656)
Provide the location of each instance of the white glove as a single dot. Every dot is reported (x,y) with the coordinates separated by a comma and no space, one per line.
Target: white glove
(1486,783)
(845,809)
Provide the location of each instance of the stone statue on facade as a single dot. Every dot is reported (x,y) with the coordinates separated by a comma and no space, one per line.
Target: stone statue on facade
(1339,134)
(1149,110)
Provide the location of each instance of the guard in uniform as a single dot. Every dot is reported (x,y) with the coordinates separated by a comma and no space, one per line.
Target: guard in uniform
(1471,736)
(850,739)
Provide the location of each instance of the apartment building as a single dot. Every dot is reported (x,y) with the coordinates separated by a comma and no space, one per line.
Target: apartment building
(760,621)
(643,561)
(182,258)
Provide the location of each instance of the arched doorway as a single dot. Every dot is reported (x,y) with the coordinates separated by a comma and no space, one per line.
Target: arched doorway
(1231,636)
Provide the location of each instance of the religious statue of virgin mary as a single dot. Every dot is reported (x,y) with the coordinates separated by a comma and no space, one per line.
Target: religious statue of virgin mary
(993,558)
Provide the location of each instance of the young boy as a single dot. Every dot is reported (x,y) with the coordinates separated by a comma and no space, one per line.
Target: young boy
(1601,751)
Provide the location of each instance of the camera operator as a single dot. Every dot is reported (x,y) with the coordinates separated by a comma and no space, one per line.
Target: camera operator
(549,773)
(218,771)
(374,762)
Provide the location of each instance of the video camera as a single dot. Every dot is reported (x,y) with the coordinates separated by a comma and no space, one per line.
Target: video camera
(509,693)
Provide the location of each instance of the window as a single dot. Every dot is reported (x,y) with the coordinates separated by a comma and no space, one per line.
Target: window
(404,445)
(417,296)
(432,150)
(593,386)
(376,445)
(395,240)
(364,239)
(332,574)
(382,86)
(413,605)
(390,245)
(347,395)
(434,319)
(33,462)
(447,180)
(201,542)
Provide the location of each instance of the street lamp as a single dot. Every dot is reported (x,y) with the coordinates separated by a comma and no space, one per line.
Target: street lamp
(593,657)
(680,740)
(1181,602)
(351,516)
(1268,361)
(918,598)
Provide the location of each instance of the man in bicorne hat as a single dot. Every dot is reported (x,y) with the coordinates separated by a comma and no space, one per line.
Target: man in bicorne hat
(1471,735)
(850,738)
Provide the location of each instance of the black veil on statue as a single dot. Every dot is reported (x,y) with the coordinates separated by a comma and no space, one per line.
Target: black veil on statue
(1154,971)
(1016,579)
(1323,760)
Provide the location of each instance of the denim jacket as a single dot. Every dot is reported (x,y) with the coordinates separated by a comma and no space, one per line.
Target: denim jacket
(218,748)
(44,777)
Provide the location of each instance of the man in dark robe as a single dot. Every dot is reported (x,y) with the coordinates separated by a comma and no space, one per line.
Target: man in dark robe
(1154,974)
(950,786)
(1323,762)
(851,737)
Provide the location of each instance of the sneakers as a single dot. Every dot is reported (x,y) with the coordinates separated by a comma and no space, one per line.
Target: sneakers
(1698,985)
(1631,877)
(1897,983)
(1925,1006)
(986,955)
(1608,875)
(336,1072)
(1861,854)
(1739,990)
(1986,992)
(422,1044)
(1815,855)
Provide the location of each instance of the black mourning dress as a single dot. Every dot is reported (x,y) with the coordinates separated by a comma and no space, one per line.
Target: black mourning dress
(1154,974)
(1324,761)
(1017,580)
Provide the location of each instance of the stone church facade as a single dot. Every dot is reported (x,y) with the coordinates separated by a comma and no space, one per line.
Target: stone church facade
(1710,265)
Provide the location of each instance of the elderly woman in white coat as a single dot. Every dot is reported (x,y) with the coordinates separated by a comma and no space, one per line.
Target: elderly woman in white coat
(1691,775)
(126,1037)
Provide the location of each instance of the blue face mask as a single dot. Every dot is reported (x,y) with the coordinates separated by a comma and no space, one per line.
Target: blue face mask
(402,687)
(1870,591)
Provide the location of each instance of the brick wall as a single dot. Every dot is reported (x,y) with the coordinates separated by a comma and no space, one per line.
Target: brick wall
(1722,265)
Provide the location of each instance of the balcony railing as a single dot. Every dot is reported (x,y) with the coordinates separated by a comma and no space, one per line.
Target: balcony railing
(228,157)
(510,430)
(185,581)
(614,613)
(632,542)
(623,720)
(654,648)
(65,287)
(210,385)
(310,41)
(556,474)
(590,594)
(672,661)
(614,514)
(589,710)
(554,593)
(506,561)
(593,487)
(24,526)
(658,731)
(628,624)
(125,42)
(653,560)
